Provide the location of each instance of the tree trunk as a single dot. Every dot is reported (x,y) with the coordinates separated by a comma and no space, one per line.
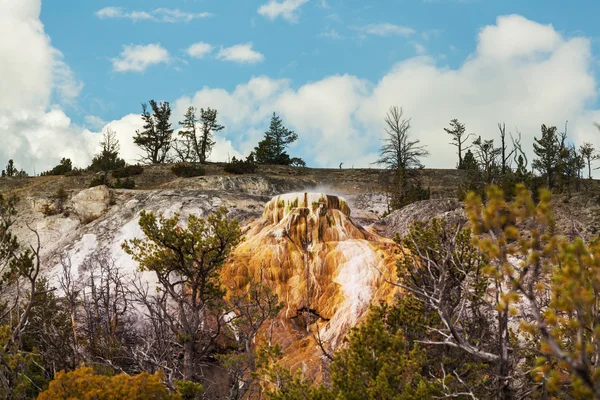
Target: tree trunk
(504,367)
(202,155)
(188,360)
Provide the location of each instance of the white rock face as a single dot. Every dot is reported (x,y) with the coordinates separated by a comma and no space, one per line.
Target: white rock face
(92,203)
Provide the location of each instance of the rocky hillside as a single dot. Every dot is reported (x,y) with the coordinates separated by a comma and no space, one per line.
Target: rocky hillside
(318,237)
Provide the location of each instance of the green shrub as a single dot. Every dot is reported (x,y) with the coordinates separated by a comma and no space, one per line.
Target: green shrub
(189,390)
(75,172)
(239,167)
(98,180)
(64,167)
(128,171)
(185,170)
(126,183)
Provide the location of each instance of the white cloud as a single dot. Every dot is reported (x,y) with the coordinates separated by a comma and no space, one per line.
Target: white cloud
(175,16)
(287,9)
(420,49)
(34,131)
(66,85)
(139,57)
(514,36)
(157,15)
(93,122)
(331,34)
(387,29)
(199,50)
(340,118)
(543,78)
(241,53)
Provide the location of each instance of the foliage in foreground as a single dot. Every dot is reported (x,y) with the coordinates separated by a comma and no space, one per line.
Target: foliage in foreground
(85,384)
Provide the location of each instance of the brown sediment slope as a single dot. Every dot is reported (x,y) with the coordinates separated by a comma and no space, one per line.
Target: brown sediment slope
(324,267)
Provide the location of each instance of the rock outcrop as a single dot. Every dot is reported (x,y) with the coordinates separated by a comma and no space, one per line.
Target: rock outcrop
(399,222)
(92,203)
(324,267)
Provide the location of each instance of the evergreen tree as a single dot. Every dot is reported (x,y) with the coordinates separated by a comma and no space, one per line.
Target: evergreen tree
(198,134)
(588,152)
(469,162)
(10,170)
(64,166)
(547,149)
(208,119)
(187,146)
(108,158)
(457,131)
(473,176)
(487,155)
(156,138)
(193,255)
(271,150)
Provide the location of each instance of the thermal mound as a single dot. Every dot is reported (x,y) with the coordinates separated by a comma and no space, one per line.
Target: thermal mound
(325,268)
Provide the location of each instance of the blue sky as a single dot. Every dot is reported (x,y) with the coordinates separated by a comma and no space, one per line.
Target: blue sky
(330,68)
(299,51)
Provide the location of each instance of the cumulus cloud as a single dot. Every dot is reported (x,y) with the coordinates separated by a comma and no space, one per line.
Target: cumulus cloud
(544,79)
(386,29)
(137,58)
(34,131)
(157,15)
(241,54)
(287,9)
(199,50)
(93,122)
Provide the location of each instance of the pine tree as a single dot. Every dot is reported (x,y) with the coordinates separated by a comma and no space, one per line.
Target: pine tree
(469,162)
(108,158)
(457,131)
(487,155)
(10,170)
(195,255)
(548,149)
(209,126)
(187,146)
(198,134)
(64,166)
(271,150)
(156,138)
(588,152)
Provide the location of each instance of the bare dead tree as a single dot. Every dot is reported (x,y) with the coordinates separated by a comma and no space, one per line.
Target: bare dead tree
(518,149)
(249,311)
(398,150)
(158,347)
(108,323)
(504,157)
(71,291)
